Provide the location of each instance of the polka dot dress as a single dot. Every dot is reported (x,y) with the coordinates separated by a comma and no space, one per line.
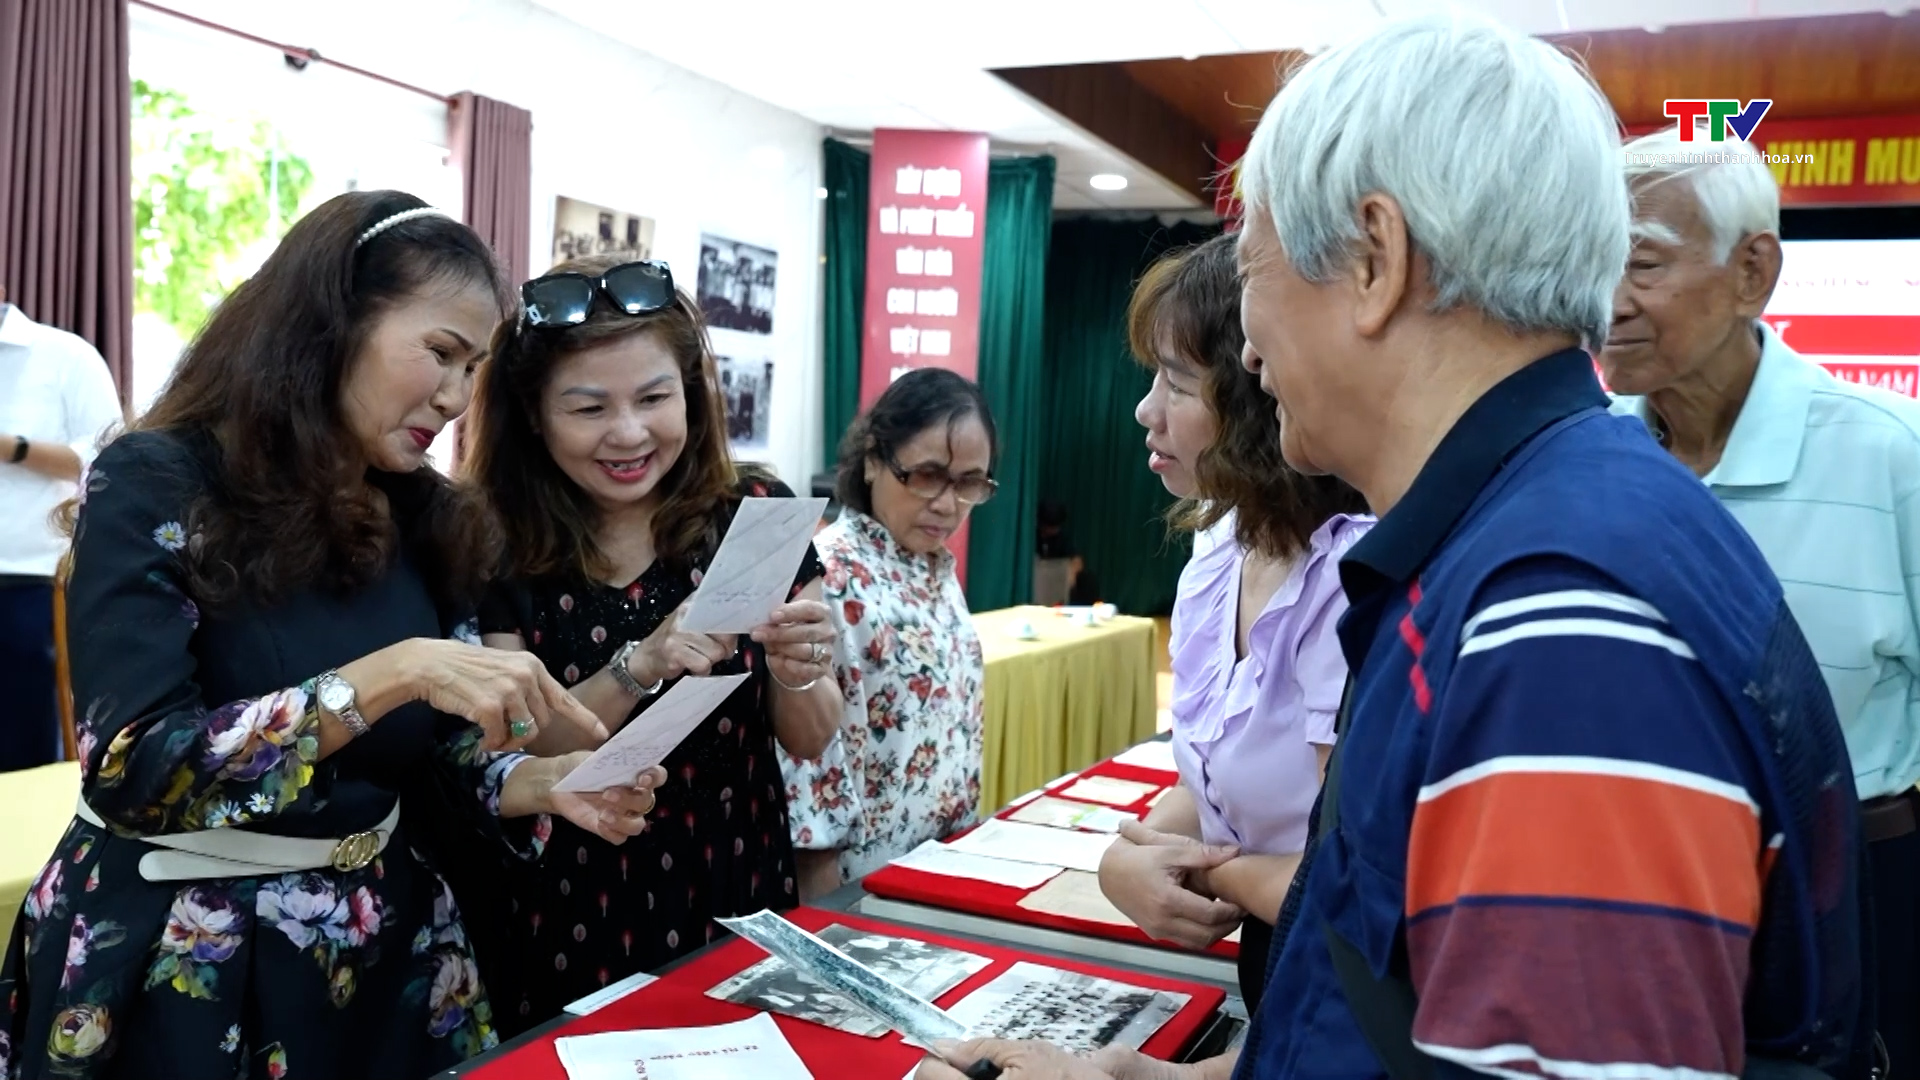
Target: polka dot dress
(717,844)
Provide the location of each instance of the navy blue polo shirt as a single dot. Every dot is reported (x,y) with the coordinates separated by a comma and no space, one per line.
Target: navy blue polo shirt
(1563,811)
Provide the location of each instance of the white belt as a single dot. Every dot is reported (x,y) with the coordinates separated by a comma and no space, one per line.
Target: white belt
(229,853)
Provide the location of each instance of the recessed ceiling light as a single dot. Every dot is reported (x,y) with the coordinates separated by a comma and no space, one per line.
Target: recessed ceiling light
(1655,28)
(820,193)
(1107,182)
(1190,56)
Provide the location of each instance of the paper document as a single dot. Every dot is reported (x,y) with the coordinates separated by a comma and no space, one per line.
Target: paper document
(918,1020)
(753,571)
(749,1050)
(1036,844)
(1152,754)
(1105,789)
(923,970)
(934,857)
(650,737)
(610,993)
(1075,895)
(1078,1013)
(1063,814)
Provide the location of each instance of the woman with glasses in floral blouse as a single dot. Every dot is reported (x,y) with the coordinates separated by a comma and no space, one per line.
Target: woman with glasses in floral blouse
(905,766)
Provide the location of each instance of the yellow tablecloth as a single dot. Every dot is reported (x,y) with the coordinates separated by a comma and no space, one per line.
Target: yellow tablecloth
(36,805)
(1076,695)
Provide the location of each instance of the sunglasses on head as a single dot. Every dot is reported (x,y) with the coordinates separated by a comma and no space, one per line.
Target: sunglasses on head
(932,481)
(566,299)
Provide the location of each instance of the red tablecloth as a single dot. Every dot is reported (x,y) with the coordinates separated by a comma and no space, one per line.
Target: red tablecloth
(679,1000)
(1003,901)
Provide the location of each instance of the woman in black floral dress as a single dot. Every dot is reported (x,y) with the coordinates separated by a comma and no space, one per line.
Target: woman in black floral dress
(265,575)
(600,439)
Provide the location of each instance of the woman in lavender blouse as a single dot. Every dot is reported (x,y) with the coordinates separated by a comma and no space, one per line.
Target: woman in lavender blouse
(1257,669)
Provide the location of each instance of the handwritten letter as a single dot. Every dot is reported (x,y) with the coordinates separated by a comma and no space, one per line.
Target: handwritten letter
(753,571)
(650,737)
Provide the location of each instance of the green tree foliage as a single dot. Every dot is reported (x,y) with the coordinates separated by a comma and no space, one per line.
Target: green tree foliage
(209,195)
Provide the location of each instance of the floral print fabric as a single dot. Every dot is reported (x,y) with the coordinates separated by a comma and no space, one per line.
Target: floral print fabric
(905,767)
(191,722)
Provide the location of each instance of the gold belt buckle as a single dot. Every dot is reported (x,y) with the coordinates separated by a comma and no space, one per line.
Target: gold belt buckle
(356,851)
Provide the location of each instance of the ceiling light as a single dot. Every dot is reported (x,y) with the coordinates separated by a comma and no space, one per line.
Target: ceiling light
(1190,56)
(820,193)
(1655,28)
(1107,182)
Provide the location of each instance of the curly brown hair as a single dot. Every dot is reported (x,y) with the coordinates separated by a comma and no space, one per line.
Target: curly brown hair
(289,507)
(549,521)
(1188,305)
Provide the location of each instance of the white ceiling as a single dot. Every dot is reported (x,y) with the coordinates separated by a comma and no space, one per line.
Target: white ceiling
(856,65)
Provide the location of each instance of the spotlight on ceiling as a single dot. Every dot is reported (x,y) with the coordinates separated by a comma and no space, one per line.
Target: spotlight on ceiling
(1107,182)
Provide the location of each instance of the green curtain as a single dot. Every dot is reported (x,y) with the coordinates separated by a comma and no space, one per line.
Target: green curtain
(845,293)
(1095,463)
(1012,348)
(1013,297)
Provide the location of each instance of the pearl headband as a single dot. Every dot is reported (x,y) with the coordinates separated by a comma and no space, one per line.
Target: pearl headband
(388,223)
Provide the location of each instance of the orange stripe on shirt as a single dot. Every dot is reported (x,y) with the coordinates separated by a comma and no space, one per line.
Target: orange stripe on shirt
(1581,835)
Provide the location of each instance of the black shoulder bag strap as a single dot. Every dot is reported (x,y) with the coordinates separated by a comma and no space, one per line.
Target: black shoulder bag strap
(1383,1008)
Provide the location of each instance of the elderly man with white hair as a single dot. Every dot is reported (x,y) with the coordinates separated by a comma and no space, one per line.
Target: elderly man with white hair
(1823,473)
(1589,815)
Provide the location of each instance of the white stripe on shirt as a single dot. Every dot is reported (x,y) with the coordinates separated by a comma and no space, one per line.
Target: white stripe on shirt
(1490,1059)
(1589,766)
(1568,598)
(1607,628)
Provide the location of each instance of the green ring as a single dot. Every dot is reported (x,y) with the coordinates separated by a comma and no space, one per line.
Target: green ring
(521,728)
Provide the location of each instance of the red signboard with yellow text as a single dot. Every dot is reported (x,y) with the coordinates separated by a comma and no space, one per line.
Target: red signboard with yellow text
(926,242)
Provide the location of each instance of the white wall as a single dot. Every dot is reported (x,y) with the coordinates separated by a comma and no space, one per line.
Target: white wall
(612,125)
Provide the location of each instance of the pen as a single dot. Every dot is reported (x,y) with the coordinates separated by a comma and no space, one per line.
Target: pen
(982,1070)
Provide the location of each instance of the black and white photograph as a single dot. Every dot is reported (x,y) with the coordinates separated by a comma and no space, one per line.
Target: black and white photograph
(923,970)
(736,284)
(581,229)
(747,388)
(1079,1013)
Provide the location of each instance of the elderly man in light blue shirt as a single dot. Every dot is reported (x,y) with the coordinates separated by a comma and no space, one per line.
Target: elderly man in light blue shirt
(1824,474)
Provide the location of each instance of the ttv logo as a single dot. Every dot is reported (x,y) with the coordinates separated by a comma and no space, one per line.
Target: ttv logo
(1722,115)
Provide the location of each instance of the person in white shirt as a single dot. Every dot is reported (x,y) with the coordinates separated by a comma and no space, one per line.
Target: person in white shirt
(56,399)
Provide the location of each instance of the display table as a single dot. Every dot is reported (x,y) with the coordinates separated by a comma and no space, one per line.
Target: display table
(37,805)
(1070,697)
(979,907)
(679,999)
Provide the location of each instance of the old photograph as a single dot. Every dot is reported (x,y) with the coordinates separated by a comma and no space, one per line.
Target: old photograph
(1079,1013)
(747,386)
(923,970)
(736,285)
(581,229)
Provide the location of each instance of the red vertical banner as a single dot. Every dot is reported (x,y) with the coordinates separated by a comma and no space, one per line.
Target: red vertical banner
(926,241)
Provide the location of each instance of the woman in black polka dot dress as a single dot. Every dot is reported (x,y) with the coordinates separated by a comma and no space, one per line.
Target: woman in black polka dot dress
(603,447)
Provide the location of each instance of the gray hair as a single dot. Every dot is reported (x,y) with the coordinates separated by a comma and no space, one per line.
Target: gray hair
(1730,180)
(1499,149)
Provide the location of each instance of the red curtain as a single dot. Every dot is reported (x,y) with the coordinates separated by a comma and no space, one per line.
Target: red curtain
(493,144)
(66,204)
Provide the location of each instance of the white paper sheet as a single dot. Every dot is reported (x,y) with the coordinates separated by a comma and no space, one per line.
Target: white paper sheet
(1063,814)
(1076,895)
(753,571)
(650,737)
(748,1050)
(1078,1013)
(934,857)
(1152,754)
(1106,789)
(611,993)
(1036,844)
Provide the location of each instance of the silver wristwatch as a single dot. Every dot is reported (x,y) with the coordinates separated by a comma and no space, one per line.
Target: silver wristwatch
(337,697)
(623,674)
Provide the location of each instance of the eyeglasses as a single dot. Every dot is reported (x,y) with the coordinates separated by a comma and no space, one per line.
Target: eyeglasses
(566,299)
(932,481)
